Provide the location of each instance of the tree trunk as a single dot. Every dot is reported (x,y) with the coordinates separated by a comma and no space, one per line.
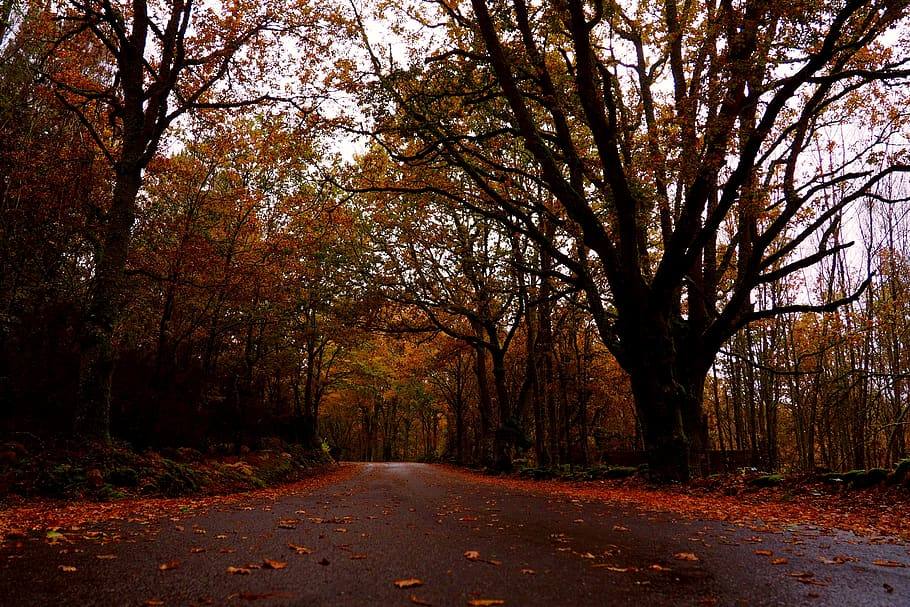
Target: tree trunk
(485,406)
(96,353)
(668,388)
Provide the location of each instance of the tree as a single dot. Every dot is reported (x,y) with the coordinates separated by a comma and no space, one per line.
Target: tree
(128,70)
(671,148)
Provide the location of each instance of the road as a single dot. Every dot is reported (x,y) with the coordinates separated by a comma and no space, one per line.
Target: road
(463,541)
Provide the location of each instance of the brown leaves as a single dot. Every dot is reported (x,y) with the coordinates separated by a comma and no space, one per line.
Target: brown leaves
(780,561)
(299,549)
(473,555)
(238,570)
(887,563)
(614,568)
(763,552)
(486,602)
(837,560)
(418,601)
(169,565)
(67,568)
(412,582)
(272,564)
(288,523)
(806,577)
(685,556)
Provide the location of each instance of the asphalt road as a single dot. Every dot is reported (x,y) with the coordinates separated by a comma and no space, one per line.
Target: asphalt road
(410,521)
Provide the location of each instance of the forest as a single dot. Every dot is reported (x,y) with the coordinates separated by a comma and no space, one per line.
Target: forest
(500,233)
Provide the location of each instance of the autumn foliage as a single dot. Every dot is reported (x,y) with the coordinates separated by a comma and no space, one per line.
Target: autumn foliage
(524,235)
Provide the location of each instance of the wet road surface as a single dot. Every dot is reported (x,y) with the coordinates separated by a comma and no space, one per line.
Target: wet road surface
(347,543)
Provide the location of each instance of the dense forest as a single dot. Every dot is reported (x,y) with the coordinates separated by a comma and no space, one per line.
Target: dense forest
(485,232)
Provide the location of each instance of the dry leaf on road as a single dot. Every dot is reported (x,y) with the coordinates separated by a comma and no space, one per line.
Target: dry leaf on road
(238,570)
(685,556)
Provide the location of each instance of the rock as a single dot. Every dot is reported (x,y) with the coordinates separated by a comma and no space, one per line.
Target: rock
(94,478)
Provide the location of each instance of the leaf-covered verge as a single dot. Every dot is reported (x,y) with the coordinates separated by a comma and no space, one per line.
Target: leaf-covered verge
(48,515)
(71,471)
(831,501)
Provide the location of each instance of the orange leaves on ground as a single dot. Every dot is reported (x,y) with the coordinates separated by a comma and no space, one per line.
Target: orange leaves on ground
(50,515)
(486,602)
(780,561)
(807,577)
(837,560)
(419,601)
(763,552)
(411,582)
(169,565)
(238,570)
(856,511)
(272,564)
(473,555)
(887,563)
(685,556)
(299,549)
(614,568)
(288,523)
(67,568)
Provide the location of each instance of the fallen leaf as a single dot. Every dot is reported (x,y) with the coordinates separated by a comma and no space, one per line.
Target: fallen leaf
(780,561)
(528,571)
(270,564)
(763,552)
(238,570)
(418,601)
(299,549)
(620,528)
(196,550)
(658,567)
(888,588)
(153,603)
(412,582)
(288,523)
(67,568)
(485,602)
(168,565)
(358,557)
(887,563)
(106,557)
(837,560)
(613,568)
(685,556)
(472,555)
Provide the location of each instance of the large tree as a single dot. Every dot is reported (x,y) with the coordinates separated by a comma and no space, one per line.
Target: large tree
(673,149)
(129,70)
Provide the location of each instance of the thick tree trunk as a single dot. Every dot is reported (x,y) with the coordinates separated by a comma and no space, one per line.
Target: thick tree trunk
(96,364)
(485,406)
(506,435)
(668,382)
